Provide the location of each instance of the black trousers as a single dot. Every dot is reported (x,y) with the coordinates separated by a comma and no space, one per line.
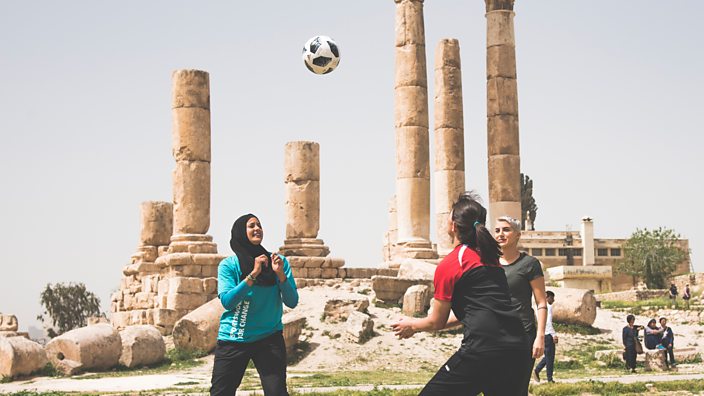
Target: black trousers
(525,379)
(498,373)
(630,356)
(232,358)
(669,352)
(548,360)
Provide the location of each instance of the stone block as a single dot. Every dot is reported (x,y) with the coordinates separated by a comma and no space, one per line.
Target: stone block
(191,196)
(501,61)
(502,132)
(299,272)
(8,322)
(505,178)
(339,309)
(185,301)
(411,69)
(120,320)
(577,306)
(149,253)
(185,270)
(210,285)
(293,326)
(342,273)
(359,326)
(416,269)
(179,259)
(20,356)
(413,152)
(198,330)
(411,109)
(157,223)
(211,259)
(409,27)
(190,88)
(416,300)
(301,161)
(390,289)
(185,285)
(208,271)
(500,31)
(165,317)
(95,347)
(162,250)
(302,209)
(502,97)
(315,272)
(141,346)
(327,273)
(655,360)
(191,134)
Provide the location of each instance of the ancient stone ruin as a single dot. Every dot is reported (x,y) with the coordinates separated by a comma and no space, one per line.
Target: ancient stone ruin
(175,268)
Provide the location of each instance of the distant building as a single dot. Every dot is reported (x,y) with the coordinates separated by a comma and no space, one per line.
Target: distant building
(567,248)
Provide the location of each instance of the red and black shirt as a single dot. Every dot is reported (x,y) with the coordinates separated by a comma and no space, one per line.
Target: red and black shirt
(481,301)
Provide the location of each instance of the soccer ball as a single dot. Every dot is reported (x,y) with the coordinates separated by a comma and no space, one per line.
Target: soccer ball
(321,55)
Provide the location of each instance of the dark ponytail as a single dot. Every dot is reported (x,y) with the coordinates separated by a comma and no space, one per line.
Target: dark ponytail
(469,217)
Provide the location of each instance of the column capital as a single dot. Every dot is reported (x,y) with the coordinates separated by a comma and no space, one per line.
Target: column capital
(499,5)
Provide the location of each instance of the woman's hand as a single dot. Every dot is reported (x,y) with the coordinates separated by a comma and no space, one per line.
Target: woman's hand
(538,346)
(278,266)
(403,328)
(260,262)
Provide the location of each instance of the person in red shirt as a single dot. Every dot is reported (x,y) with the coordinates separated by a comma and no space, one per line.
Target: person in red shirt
(471,283)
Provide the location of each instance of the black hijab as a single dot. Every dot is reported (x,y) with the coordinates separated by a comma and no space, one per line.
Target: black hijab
(246,251)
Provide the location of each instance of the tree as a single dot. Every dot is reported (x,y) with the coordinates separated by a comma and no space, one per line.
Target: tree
(67,306)
(652,255)
(529,209)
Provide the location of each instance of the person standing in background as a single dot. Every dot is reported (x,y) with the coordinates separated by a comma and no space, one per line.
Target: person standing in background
(548,361)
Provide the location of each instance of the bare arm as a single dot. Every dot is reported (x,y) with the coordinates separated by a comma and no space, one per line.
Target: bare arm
(538,286)
(436,320)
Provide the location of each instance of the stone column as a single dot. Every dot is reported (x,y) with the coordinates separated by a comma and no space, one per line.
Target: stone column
(302,179)
(411,124)
(502,112)
(191,150)
(449,138)
(157,223)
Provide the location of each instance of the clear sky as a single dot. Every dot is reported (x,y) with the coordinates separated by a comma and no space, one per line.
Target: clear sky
(609,97)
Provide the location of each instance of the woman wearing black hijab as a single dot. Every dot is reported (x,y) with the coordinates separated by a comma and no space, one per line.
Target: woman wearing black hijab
(252,285)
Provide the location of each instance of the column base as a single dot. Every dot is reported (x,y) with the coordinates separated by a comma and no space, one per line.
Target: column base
(417,249)
(304,247)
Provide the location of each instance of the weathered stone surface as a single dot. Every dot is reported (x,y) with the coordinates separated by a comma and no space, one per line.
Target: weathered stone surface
(190,88)
(416,300)
(391,289)
(414,229)
(293,326)
(304,247)
(191,134)
(194,247)
(302,209)
(359,326)
(185,285)
(185,300)
(198,330)
(141,346)
(157,223)
(191,197)
(500,29)
(409,28)
(655,360)
(339,309)
(8,322)
(505,168)
(210,285)
(416,269)
(95,347)
(576,306)
(301,161)
(20,356)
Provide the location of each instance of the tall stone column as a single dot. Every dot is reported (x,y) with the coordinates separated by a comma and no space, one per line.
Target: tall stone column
(449,138)
(411,124)
(307,254)
(502,112)
(191,150)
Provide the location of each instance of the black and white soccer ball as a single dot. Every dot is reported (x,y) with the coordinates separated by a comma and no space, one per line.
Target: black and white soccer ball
(321,55)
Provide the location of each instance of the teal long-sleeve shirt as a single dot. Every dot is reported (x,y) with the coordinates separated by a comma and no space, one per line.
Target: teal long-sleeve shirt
(252,312)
